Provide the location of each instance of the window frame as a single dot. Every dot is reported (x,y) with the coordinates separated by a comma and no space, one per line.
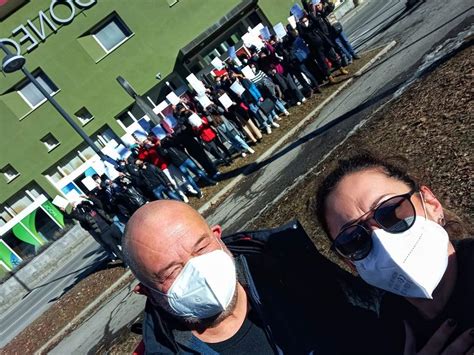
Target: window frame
(82,121)
(3,171)
(55,89)
(109,19)
(50,135)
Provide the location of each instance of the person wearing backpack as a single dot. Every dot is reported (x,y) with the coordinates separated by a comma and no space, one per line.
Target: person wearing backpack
(265,292)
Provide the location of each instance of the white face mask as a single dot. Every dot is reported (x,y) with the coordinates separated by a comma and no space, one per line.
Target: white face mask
(204,287)
(410,263)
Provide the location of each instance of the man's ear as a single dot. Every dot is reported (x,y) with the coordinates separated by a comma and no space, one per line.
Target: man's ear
(217,231)
(434,210)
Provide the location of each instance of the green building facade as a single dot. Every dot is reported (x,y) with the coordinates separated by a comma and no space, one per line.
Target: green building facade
(76,49)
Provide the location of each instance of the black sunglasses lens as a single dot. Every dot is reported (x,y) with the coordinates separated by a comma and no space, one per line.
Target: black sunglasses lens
(396,215)
(354,242)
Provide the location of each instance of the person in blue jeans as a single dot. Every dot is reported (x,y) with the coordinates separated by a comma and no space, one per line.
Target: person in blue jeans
(334,31)
(156,181)
(229,132)
(185,165)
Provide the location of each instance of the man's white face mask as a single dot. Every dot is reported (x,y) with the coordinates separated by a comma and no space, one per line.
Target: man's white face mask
(409,264)
(205,286)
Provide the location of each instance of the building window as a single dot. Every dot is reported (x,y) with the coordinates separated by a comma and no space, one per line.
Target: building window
(126,119)
(172,2)
(9,173)
(31,94)
(84,116)
(104,136)
(111,33)
(50,142)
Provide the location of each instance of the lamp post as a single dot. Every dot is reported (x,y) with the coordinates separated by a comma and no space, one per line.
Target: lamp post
(14,62)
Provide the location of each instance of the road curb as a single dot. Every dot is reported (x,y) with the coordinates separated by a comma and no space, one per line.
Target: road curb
(100,299)
(287,135)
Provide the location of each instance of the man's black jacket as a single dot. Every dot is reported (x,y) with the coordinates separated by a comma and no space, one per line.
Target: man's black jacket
(297,294)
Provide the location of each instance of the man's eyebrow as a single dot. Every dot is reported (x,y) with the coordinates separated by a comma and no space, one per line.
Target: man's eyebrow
(203,237)
(372,207)
(174,263)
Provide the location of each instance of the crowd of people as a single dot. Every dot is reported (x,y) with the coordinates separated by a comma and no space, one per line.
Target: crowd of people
(286,71)
(271,291)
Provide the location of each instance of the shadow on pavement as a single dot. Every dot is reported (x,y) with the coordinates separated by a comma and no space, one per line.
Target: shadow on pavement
(252,167)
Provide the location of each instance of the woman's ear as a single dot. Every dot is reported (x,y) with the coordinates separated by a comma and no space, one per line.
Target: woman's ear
(434,210)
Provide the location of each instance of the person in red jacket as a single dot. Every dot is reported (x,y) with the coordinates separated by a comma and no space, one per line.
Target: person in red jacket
(212,142)
(147,151)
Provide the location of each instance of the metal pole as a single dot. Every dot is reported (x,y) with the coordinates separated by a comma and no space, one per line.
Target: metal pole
(58,108)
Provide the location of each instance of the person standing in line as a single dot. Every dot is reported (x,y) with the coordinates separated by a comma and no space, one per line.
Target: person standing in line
(320,46)
(184,138)
(230,132)
(335,31)
(91,216)
(185,164)
(156,181)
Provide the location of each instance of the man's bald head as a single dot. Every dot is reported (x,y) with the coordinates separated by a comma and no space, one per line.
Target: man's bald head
(161,237)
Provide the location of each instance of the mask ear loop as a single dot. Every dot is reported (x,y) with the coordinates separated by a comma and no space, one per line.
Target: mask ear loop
(441,221)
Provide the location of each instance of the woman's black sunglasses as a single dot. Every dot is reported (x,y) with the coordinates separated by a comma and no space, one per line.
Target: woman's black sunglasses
(395,215)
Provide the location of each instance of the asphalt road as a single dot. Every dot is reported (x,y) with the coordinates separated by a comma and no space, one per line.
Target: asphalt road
(417,32)
(376,23)
(42,297)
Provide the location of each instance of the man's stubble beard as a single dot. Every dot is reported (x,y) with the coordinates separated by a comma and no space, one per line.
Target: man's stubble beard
(193,322)
(211,322)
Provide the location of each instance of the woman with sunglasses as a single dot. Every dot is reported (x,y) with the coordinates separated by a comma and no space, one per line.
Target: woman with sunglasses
(396,234)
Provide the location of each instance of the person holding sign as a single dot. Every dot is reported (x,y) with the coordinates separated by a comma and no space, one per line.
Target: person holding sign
(230,133)
(212,142)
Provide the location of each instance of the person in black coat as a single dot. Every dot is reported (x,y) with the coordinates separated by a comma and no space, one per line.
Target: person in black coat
(184,163)
(184,138)
(334,32)
(92,217)
(320,45)
(156,181)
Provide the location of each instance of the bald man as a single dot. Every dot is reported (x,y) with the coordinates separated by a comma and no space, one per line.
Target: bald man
(258,294)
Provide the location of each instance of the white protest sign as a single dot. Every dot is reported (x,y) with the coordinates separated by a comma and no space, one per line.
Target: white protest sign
(251,39)
(99,167)
(248,73)
(197,84)
(89,183)
(161,106)
(204,101)
(173,98)
(280,30)
(217,63)
(225,101)
(194,120)
(60,202)
(256,30)
(237,88)
(292,21)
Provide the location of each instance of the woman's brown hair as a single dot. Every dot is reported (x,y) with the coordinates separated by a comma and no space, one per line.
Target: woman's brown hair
(391,168)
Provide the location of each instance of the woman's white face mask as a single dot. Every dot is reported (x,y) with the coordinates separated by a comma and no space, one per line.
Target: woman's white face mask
(409,264)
